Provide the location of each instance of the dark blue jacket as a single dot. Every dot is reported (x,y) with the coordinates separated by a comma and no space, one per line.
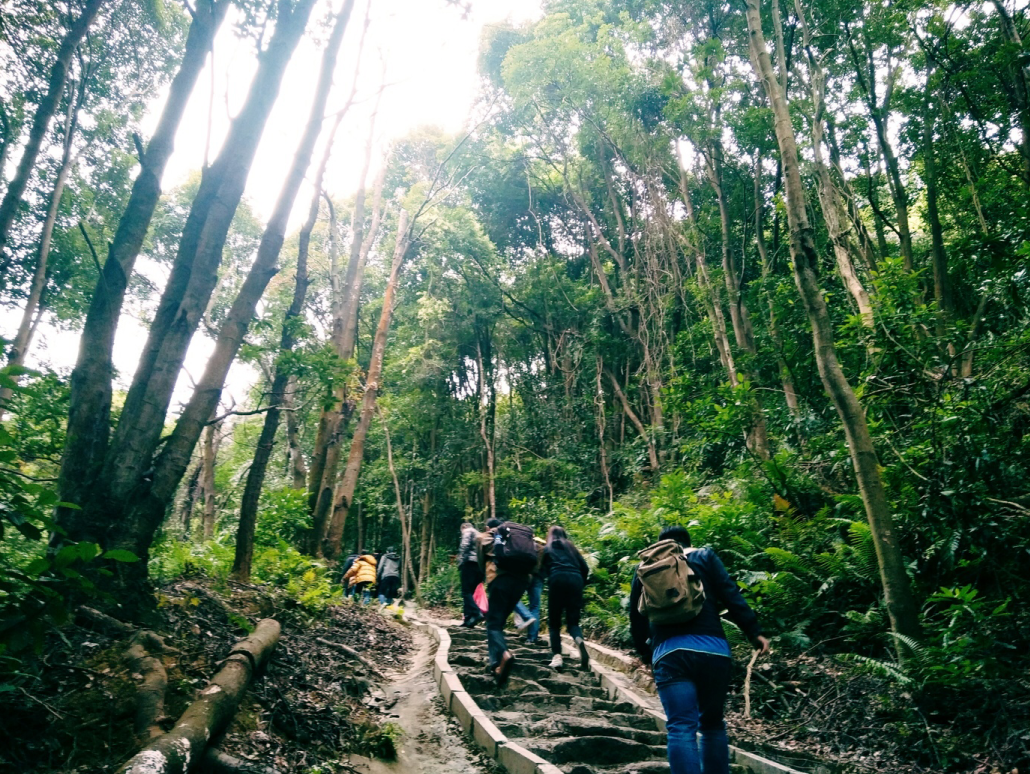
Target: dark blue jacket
(721,593)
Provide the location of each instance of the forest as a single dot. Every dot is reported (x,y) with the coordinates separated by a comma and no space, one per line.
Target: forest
(755,267)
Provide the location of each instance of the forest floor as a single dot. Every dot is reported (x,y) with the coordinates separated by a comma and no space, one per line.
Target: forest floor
(319,710)
(313,709)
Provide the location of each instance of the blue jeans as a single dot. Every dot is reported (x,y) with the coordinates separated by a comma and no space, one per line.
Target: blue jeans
(692,687)
(536,587)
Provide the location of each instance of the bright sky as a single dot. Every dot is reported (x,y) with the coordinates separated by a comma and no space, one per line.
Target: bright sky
(429,53)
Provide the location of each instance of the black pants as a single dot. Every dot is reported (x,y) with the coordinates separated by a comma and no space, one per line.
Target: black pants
(471,576)
(504,593)
(565,597)
(389,588)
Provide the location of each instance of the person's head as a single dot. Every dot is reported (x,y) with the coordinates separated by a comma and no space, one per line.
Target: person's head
(493,523)
(391,550)
(556,534)
(465,526)
(677,533)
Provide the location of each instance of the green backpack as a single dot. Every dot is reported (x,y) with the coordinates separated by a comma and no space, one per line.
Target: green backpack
(672,591)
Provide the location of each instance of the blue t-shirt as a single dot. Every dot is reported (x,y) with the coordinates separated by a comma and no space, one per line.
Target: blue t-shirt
(699,643)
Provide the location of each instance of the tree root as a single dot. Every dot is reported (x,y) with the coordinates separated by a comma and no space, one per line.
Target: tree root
(178,750)
(232,615)
(352,653)
(216,761)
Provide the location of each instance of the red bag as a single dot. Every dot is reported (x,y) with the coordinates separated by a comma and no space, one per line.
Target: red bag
(479,595)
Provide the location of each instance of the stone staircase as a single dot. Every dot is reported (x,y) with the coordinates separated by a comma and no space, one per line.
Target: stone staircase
(566,717)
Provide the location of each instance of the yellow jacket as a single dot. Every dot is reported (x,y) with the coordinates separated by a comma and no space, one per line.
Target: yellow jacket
(363,570)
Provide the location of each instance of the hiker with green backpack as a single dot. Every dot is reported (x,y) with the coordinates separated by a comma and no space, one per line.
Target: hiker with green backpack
(674,609)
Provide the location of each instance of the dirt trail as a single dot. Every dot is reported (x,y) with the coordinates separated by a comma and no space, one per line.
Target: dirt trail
(433,743)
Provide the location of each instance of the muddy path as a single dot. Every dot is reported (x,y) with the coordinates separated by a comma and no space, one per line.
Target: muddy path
(433,742)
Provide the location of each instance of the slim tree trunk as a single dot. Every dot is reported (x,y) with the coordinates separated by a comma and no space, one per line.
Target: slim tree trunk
(277,226)
(45,111)
(786,378)
(900,603)
(89,414)
(941,285)
(22,339)
(345,491)
(627,409)
(346,295)
(405,527)
(487,419)
(829,198)
(298,467)
(207,478)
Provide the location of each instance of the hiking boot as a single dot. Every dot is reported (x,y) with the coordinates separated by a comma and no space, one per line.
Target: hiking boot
(556,662)
(525,624)
(503,670)
(584,657)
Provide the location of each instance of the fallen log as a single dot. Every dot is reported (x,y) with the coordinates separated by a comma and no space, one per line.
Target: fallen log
(153,682)
(177,751)
(217,761)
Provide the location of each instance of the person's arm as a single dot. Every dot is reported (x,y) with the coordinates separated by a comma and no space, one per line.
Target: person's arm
(639,626)
(728,593)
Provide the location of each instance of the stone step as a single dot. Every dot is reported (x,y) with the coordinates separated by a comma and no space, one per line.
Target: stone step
(541,701)
(578,725)
(597,750)
(625,720)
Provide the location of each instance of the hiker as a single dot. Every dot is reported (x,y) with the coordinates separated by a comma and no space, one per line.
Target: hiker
(507,554)
(388,577)
(567,572)
(686,646)
(362,575)
(347,564)
(470,574)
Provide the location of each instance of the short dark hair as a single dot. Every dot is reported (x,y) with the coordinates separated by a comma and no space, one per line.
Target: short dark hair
(494,523)
(677,533)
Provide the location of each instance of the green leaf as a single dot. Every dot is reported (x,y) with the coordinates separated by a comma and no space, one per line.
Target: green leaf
(121,555)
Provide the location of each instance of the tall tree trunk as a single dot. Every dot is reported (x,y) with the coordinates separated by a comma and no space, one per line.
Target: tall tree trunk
(89,413)
(405,526)
(171,464)
(256,475)
(346,297)
(627,409)
(45,111)
(135,487)
(345,491)
(900,603)
(22,339)
(193,278)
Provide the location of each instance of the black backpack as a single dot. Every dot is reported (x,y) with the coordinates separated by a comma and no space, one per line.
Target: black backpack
(514,548)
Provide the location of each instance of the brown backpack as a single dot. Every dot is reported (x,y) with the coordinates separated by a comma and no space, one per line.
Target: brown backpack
(671,591)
